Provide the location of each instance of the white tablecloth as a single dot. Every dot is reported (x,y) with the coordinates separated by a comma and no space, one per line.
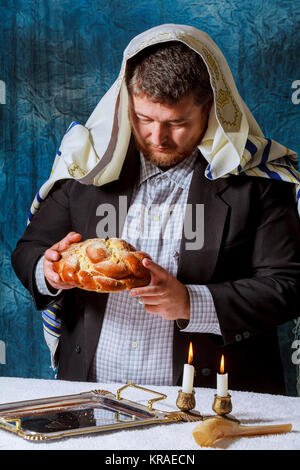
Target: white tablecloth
(249,408)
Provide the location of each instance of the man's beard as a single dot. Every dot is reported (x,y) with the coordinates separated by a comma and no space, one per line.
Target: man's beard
(163,160)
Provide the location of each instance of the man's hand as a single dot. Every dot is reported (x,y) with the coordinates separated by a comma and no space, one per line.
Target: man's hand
(53,254)
(165,295)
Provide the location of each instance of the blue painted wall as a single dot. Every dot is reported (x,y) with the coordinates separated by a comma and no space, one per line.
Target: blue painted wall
(58,57)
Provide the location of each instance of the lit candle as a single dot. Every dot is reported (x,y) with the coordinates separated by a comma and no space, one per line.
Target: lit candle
(188,373)
(222,381)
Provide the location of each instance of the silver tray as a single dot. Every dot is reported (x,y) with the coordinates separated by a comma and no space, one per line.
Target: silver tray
(81,413)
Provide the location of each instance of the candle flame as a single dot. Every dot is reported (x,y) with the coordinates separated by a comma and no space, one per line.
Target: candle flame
(222,367)
(190,358)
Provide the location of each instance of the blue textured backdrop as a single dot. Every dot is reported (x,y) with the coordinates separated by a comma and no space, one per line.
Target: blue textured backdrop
(59,57)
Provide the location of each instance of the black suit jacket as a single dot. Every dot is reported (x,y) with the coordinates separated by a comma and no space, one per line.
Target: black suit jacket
(250,261)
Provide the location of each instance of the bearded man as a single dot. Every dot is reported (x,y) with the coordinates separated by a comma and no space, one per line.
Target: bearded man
(172,132)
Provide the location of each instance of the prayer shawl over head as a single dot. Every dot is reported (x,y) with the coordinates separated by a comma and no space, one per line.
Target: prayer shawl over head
(233,143)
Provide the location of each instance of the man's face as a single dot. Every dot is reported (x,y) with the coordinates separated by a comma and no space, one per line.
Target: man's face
(166,134)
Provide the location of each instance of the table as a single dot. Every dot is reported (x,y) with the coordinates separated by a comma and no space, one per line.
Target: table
(249,408)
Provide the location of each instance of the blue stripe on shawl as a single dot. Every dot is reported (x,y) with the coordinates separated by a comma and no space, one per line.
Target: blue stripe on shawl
(72,125)
(52,318)
(298,194)
(209,175)
(30,215)
(266,151)
(51,333)
(251,147)
(52,327)
(286,162)
(53,308)
(39,197)
(55,331)
(271,174)
(290,170)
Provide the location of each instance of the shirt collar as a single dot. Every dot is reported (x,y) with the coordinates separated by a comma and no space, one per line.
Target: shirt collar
(178,174)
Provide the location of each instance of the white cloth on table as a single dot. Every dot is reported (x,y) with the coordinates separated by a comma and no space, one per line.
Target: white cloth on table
(249,408)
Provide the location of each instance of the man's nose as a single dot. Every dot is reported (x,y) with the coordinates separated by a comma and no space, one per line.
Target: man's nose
(159,134)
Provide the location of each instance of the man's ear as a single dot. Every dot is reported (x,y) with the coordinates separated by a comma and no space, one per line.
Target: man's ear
(130,106)
(208,105)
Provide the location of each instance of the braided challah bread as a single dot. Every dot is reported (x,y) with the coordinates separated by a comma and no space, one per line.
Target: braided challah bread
(100,265)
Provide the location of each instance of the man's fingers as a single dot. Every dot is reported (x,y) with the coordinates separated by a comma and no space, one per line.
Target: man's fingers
(153,267)
(61,286)
(53,277)
(49,273)
(154,309)
(52,255)
(147,290)
(155,300)
(157,273)
(72,237)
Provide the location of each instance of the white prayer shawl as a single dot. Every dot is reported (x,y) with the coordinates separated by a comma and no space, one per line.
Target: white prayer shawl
(233,143)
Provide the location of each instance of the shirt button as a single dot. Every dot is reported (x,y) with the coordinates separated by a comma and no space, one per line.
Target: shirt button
(134,344)
(206,371)
(246,334)
(163,177)
(238,337)
(155,218)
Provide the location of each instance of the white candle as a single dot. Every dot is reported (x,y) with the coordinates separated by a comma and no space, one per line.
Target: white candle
(188,373)
(222,381)
(188,378)
(222,385)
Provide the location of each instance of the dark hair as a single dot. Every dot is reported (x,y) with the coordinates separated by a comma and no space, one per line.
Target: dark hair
(168,72)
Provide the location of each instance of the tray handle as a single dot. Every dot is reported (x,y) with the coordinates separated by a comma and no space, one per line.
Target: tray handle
(4,423)
(150,402)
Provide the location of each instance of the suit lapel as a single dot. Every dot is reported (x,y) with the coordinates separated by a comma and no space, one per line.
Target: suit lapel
(196,266)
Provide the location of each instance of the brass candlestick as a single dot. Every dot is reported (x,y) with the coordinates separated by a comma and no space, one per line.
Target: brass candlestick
(186,401)
(222,406)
